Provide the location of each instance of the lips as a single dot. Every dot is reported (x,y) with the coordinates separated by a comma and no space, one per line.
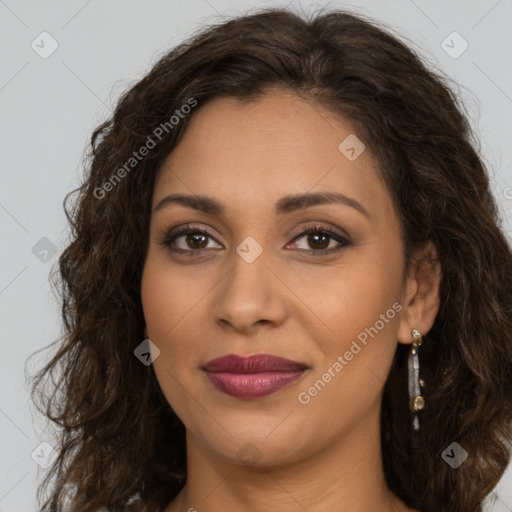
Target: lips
(253,376)
(253,364)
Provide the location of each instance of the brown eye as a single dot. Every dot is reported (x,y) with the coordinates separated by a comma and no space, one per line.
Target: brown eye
(196,240)
(187,239)
(319,239)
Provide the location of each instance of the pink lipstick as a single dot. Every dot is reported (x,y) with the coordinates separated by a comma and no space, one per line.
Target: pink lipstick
(252,376)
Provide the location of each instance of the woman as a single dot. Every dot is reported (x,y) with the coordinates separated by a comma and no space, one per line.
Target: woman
(287,286)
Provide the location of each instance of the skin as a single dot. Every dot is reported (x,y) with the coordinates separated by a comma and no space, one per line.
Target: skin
(288,302)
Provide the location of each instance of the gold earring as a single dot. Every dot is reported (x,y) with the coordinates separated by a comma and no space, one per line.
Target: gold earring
(416,400)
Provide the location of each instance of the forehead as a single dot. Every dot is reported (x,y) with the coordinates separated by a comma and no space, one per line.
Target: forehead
(255,153)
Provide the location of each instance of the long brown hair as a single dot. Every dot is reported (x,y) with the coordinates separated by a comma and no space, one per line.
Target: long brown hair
(118,435)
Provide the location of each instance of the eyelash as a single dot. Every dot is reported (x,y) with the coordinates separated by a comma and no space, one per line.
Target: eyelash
(314,230)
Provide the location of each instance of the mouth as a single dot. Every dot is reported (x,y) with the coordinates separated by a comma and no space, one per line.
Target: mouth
(253,376)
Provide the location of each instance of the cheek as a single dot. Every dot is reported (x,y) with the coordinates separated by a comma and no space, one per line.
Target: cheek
(175,310)
(157,303)
(168,305)
(166,296)
(359,309)
(355,295)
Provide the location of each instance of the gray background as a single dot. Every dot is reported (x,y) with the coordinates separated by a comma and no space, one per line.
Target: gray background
(49,107)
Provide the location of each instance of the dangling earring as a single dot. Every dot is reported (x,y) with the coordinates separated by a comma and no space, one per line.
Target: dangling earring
(416,400)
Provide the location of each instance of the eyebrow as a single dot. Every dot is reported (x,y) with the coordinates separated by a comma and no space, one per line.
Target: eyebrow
(286,204)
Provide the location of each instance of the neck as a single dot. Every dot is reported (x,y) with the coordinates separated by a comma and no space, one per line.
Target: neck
(348,472)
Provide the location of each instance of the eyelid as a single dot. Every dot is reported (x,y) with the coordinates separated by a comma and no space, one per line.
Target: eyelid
(320,226)
(172,234)
(341,237)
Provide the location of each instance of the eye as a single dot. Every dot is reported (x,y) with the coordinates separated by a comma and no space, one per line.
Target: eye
(194,239)
(190,239)
(319,238)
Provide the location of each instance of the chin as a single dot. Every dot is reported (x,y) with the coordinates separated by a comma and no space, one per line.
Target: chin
(262,445)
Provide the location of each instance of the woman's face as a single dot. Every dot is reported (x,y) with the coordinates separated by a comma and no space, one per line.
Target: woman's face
(255,284)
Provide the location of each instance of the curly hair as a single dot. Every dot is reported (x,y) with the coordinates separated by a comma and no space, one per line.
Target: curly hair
(118,434)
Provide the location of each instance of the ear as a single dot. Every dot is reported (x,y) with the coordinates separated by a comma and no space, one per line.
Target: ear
(420,298)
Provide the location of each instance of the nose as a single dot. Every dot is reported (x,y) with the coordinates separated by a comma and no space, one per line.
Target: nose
(250,294)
